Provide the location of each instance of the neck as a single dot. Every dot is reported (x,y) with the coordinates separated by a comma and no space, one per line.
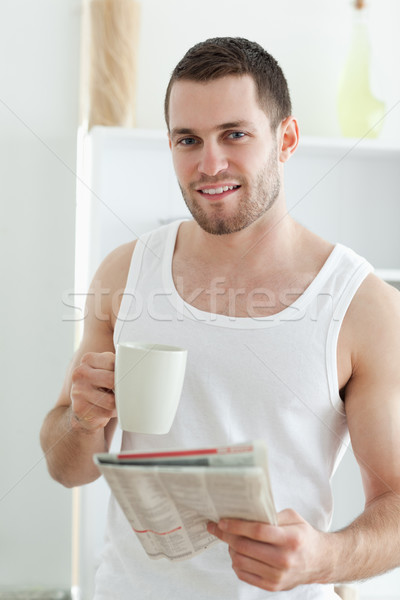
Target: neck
(267,244)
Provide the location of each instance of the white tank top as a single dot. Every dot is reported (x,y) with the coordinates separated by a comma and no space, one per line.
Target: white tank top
(272,378)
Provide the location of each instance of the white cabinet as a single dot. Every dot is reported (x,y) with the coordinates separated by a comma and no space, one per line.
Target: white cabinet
(348,191)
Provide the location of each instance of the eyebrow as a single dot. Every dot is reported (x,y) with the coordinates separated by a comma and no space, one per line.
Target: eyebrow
(230,125)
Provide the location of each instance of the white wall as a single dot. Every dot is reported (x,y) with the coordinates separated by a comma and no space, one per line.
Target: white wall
(39,59)
(308,38)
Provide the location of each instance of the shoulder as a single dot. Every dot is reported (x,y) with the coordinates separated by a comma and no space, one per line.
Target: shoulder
(109,281)
(372,323)
(375,301)
(113,271)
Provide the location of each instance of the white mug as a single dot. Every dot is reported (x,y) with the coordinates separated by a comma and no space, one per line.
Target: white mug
(148,386)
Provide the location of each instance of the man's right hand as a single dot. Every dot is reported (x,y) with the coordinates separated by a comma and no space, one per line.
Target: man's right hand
(92,391)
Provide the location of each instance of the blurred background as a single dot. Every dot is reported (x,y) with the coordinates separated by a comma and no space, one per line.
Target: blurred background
(43,101)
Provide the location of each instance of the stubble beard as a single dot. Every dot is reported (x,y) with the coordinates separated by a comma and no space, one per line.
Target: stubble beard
(257,198)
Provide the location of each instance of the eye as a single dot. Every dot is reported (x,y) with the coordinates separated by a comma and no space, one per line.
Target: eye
(188,141)
(236,135)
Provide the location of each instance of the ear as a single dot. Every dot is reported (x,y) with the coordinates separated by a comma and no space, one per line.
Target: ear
(289,138)
(169,141)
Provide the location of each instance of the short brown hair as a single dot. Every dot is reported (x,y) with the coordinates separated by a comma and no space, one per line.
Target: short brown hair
(222,56)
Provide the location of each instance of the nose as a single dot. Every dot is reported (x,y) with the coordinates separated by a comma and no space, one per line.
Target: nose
(213,159)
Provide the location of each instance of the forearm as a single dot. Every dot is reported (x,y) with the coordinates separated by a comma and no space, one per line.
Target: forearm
(69,448)
(369,546)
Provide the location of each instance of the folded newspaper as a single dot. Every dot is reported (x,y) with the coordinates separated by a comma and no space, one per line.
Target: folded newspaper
(169,497)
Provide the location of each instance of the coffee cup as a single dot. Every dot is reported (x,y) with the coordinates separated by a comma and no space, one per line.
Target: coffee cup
(148,386)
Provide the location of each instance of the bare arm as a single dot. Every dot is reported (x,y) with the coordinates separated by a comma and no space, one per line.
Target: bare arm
(83,420)
(278,558)
(370,545)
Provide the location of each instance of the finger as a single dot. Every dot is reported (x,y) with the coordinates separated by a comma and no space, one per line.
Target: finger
(263,532)
(242,545)
(86,401)
(98,378)
(261,574)
(84,397)
(243,563)
(251,578)
(93,413)
(263,583)
(103,380)
(262,552)
(104,399)
(289,517)
(99,360)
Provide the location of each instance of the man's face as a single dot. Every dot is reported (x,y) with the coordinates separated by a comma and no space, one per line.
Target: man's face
(224,153)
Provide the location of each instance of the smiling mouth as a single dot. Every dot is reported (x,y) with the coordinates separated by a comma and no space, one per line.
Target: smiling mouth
(218,191)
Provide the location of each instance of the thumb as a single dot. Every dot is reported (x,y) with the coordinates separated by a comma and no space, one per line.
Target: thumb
(288,516)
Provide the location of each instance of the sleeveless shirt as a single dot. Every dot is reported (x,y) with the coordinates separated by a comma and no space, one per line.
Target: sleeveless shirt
(272,378)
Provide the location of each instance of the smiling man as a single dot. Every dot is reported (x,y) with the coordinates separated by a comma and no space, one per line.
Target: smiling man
(290,339)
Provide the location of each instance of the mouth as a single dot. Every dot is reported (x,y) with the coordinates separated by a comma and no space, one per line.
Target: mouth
(218,192)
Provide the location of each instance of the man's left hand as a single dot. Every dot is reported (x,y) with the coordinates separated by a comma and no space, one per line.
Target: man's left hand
(271,557)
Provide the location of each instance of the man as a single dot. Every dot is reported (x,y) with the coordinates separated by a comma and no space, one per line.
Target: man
(290,339)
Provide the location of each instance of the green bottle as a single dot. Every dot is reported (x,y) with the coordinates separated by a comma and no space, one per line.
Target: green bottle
(360,113)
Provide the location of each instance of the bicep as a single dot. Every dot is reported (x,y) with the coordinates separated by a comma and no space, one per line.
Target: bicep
(374,423)
(372,399)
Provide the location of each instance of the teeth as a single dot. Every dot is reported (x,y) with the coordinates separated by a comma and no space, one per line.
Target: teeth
(219,190)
